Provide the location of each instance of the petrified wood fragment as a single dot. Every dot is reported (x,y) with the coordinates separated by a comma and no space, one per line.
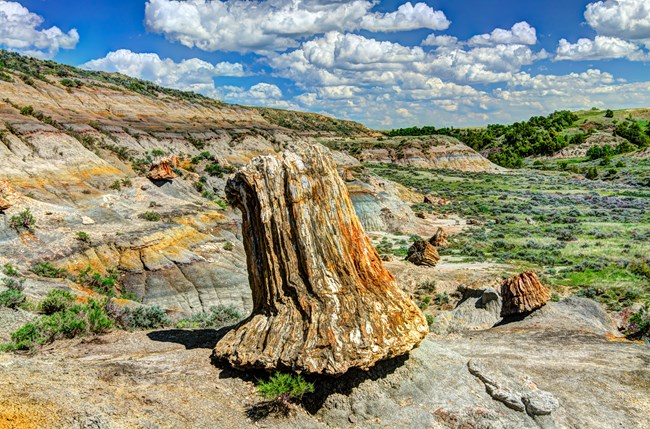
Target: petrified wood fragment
(4,204)
(323,302)
(523,293)
(163,169)
(439,239)
(423,253)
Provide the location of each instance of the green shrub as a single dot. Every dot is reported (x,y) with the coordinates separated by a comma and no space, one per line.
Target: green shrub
(640,268)
(12,298)
(46,269)
(215,169)
(442,298)
(27,110)
(91,318)
(215,317)
(228,246)
(55,301)
(9,270)
(293,386)
(23,221)
(427,286)
(639,324)
(430,319)
(12,283)
(116,185)
(83,237)
(95,281)
(148,318)
(150,216)
(609,113)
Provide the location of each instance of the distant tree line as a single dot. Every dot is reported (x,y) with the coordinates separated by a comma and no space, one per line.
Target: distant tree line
(508,145)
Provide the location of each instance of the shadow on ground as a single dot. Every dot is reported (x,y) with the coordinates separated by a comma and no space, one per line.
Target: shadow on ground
(191,339)
(324,385)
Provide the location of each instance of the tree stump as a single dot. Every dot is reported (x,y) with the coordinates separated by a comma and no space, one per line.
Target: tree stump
(522,294)
(163,169)
(423,253)
(439,239)
(323,302)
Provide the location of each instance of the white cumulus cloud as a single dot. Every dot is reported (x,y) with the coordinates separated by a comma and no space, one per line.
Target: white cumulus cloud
(275,25)
(602,47)
(19,31)
(520,34)
(192,74)
(407,17)
(440,40)
(624,19)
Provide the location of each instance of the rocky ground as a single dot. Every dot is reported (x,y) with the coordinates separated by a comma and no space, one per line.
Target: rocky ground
(562,368)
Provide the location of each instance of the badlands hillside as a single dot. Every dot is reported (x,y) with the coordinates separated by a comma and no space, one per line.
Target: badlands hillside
(124,261)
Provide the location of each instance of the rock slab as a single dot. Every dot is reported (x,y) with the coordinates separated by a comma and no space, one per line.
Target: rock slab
(322,300)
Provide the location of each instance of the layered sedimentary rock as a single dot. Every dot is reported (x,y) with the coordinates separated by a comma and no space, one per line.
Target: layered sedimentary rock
(163,169)
(323,302)
(439,239)
(523,293)
(423,253)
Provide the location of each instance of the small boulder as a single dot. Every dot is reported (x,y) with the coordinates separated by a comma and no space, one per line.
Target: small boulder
(423,253)
(85,220)
(163,169)
(440,238)
(522,294)
(348,175)
(540,403)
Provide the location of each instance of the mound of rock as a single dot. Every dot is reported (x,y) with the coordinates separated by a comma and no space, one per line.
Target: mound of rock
(322,300)
(439,239)
(423,253)
(522,294)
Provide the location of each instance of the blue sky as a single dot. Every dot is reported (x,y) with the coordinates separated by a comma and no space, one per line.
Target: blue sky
(386,64)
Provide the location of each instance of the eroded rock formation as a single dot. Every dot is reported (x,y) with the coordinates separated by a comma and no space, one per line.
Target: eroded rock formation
(423,253)
(523,293)
(322,300)
(163,169)
(439,239)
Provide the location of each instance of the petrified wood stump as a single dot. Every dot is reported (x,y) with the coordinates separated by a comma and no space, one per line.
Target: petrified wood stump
(439,239)
(323,302)
(523,293)
(423,253)
(163,169)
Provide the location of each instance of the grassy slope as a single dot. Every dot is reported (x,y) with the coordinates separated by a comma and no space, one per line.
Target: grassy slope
(582,236)
(15,67)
